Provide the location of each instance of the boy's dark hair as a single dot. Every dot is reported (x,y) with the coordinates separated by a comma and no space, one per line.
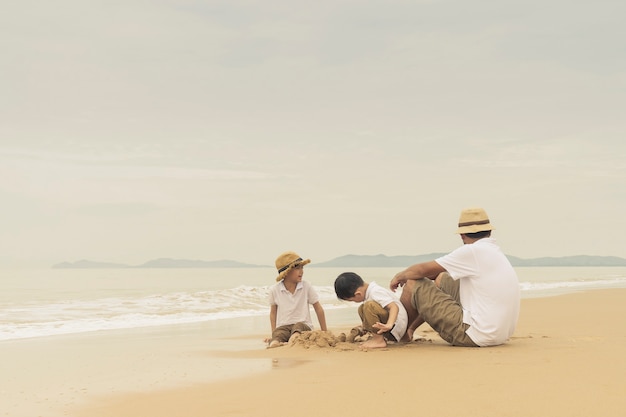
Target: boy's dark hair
(346,285)
(479,235)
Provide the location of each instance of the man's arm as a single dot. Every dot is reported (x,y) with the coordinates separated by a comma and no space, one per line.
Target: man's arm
(428,269)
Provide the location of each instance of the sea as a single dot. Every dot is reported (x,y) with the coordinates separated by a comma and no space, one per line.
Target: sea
(38,303)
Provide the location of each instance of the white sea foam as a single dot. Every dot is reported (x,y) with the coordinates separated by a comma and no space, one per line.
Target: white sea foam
(531,289)
(76,316)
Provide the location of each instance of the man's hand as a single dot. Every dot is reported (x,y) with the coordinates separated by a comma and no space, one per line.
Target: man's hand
(397,282)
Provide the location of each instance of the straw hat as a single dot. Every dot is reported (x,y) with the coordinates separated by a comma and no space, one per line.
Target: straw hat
(473,220)
(286,261)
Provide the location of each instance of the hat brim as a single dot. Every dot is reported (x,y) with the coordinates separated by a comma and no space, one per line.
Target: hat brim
(290,267)
(475,228)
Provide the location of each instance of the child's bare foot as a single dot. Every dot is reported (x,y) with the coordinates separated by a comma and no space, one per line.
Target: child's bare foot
(377,341)
(274,343)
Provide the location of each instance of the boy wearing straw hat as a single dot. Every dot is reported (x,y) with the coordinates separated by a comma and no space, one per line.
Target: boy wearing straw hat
(472,295)
(289,300)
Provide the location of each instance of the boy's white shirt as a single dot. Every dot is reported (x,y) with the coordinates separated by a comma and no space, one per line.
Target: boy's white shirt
(384,297)
(293,308)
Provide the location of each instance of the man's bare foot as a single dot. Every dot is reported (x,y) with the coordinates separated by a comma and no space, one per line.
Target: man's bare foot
(377,341)
(410,330)
(409,334)
(406,338)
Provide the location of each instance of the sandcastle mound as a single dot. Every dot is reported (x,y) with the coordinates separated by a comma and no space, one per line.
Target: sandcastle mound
(322,339)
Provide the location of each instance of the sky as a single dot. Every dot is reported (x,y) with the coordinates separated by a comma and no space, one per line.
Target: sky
(134,130)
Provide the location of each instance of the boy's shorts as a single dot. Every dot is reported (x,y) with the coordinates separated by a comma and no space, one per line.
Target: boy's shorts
(441,309)
(283,333)
(372,312)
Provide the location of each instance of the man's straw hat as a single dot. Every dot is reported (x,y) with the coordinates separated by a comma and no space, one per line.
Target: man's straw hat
(286,261)
(473,220)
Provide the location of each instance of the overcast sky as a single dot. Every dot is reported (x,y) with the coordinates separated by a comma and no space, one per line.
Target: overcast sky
(211,130)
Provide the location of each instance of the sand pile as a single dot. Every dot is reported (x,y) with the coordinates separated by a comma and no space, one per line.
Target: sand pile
(325,339)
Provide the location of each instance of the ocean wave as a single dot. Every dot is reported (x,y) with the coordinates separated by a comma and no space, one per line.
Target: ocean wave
(77,316)
(34,319)
(559,286)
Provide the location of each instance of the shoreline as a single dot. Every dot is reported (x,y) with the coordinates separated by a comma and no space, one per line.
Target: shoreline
(49,376)
(564,359)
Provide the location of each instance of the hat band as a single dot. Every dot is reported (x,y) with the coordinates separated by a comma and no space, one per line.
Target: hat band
(474,223)
(288,265)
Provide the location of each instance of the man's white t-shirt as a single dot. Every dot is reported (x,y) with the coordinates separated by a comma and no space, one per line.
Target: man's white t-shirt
(384,297)
(293,308)
(489,290)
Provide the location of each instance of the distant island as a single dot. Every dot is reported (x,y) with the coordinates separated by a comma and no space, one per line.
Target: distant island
(157,263)
(348,261)
(365,261)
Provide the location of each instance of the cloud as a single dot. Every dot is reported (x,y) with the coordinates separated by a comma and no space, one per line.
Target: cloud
(179,122)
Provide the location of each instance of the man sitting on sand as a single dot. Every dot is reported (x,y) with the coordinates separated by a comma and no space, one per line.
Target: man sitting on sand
(382,314)
(475,298)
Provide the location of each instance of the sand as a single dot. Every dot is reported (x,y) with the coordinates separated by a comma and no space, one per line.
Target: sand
(565,359)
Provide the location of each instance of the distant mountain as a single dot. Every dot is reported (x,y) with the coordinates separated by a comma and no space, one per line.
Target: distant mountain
(158,263)
(186,263)
(366,261)
(376,261)
(362,261)
(85,264)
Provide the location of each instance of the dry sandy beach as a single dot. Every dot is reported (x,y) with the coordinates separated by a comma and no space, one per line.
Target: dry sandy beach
(566,359)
